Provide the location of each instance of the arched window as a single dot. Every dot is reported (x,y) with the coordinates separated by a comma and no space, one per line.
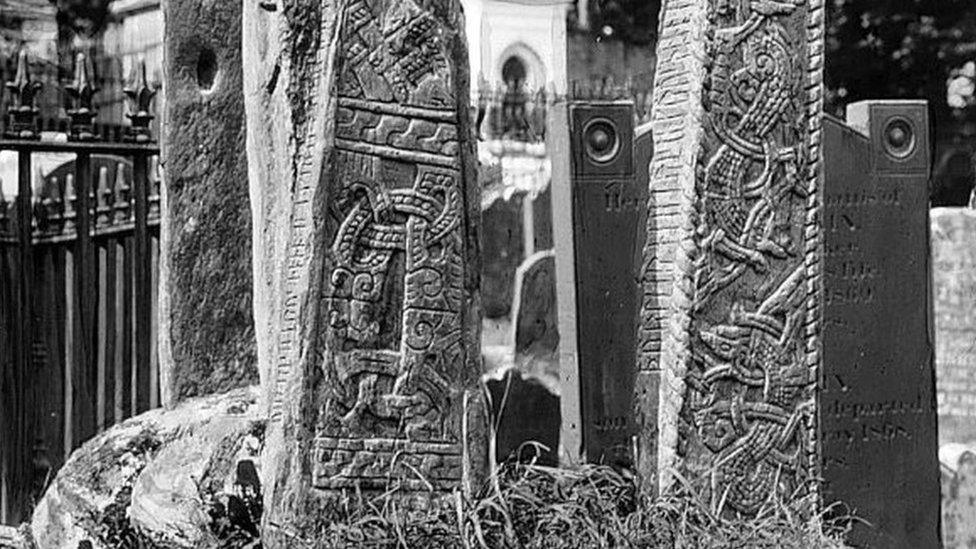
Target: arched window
(518,60)
(513,71)
(514,122)
(521,74)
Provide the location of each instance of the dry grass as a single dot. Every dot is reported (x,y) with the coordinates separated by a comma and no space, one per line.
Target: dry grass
(530,507)
(522,506)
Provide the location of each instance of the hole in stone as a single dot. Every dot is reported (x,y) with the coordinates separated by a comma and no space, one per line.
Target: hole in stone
(206,69)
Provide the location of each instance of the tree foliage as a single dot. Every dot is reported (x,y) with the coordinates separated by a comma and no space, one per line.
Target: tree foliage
(83,17)
(897,49)
(632,21)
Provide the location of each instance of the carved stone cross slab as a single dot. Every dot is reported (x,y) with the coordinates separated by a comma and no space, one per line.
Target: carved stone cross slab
(730,320)
(359,137)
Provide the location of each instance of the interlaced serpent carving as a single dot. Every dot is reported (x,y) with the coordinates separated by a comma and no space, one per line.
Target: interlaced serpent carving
(747,396)
(749,401)
(751,173)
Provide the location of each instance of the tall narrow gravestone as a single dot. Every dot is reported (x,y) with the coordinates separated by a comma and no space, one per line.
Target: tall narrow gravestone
(362,177)
(879,443)
(599,191)
(954,274)
(729,327)
(206,321)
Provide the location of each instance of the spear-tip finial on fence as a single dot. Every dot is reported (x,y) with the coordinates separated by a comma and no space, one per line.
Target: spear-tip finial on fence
(22,113)
(141,94)
(82,90)
(103,203)
(70,200)
(122,188)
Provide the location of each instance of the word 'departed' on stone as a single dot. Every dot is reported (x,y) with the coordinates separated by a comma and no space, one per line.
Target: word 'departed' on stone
(729,331)
(369,362)
(879,449)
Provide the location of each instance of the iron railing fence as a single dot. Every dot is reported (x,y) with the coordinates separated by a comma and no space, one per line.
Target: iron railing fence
(79,249)
(517,113)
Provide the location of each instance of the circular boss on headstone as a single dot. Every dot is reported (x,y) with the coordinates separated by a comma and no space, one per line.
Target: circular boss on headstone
(899,138)
(601,141)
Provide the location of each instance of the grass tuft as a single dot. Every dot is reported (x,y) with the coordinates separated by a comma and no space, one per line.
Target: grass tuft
(534,507)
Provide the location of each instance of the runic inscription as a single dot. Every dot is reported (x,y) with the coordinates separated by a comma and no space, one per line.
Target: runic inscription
(361,164)
(732,267)
(392,337)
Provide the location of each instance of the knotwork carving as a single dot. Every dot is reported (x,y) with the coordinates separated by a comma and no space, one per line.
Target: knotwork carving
(393,350)
(399,44)
(363,170)
(755,167)
(404,385)
(743,339)
(747,395)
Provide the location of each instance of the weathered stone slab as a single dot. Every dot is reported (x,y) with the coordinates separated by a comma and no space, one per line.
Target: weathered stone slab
(542,220)
(206,317)
(15,538)
(534,312)
(729,327)
(954,278)
(361,165)
(502,252)
(526,416)
(877,408)
(958,496)
(515,225)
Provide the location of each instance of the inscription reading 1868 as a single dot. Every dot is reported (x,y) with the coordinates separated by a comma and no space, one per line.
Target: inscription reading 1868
(876,404)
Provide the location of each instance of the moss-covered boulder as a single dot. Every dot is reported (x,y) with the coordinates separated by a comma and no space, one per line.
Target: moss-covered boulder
(162,479)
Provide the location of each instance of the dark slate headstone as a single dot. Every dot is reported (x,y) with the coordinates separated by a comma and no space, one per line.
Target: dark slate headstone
(542,219)
(609,190)
(879,443)
(536,328)
(502,248)
(524,412)
(954,277)
(958,496)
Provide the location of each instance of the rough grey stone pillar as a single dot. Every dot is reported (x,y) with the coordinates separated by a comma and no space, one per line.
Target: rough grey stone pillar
(206,317)
(366,209)
(730,323)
